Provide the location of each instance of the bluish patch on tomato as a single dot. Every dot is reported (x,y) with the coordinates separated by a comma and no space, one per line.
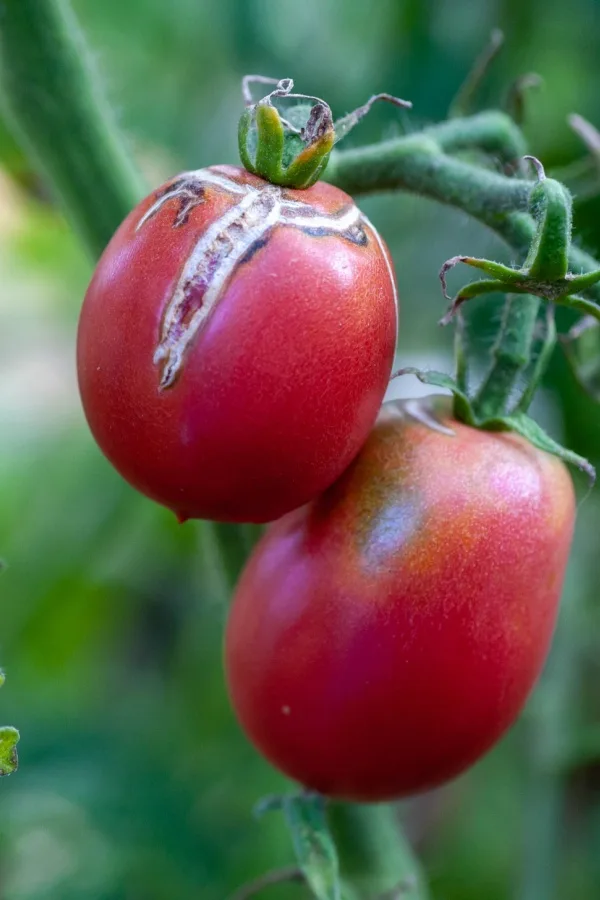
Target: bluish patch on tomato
(392,527)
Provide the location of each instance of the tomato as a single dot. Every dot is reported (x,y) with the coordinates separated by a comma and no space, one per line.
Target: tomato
(384,637)
(236,342)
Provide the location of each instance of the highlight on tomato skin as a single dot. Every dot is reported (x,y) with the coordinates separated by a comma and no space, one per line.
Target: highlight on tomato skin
(236,342)
(384,637)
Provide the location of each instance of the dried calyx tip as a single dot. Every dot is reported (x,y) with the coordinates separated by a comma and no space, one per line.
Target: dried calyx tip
(539,168)
(293,151)
(283,88)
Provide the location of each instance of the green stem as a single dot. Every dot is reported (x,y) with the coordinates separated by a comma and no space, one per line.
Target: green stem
(375,856)
(62,119)
(492,132)
(510,355)
(461,353)
(417,164)
(542,352)
(550,723)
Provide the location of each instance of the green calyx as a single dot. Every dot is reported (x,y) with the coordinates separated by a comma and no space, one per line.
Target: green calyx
(516,421)
(545,271)
(293,150)
(524,344)
(527,334)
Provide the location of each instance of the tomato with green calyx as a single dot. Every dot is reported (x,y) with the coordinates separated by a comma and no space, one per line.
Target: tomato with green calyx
(385,636)
(236,342)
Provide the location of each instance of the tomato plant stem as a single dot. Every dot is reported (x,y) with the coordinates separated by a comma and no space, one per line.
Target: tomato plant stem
(510,355)
(419,164)
(62,119)
(541,356)
(551,723)
(375,857)
(492,132)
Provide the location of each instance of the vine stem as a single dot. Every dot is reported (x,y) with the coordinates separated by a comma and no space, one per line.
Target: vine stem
(62,119)
(421,164)
(510,355)
(550,723)
(376,859)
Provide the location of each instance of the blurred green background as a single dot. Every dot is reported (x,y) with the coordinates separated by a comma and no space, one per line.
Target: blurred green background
(135,781)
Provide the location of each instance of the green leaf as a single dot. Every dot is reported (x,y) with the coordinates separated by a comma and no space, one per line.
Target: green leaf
(313,844)
(9,738)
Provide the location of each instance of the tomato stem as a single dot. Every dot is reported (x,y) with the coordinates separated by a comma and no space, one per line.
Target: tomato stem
(375,856)
(550,722)
(510,355)
(422,164)
(492,132)
(461,354)
(63,120)
(540,356)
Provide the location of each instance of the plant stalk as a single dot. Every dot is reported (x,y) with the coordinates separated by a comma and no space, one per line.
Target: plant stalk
(376,859)
(492,132)
(60,116)
(418,164)
(550,724)
(510,355)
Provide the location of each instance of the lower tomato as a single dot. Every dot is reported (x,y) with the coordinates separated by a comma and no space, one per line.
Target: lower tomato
(384,637)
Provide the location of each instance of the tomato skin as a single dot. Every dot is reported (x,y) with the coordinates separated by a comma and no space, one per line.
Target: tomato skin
(278,389)
(385,636)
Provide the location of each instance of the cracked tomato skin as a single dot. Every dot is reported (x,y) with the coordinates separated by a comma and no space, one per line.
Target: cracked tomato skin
(236,342)
(385,636)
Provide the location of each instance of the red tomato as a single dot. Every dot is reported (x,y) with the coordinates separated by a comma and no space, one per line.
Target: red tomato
(385,636)
(236,342)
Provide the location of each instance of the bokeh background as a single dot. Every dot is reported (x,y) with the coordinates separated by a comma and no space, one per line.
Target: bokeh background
(135,781)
